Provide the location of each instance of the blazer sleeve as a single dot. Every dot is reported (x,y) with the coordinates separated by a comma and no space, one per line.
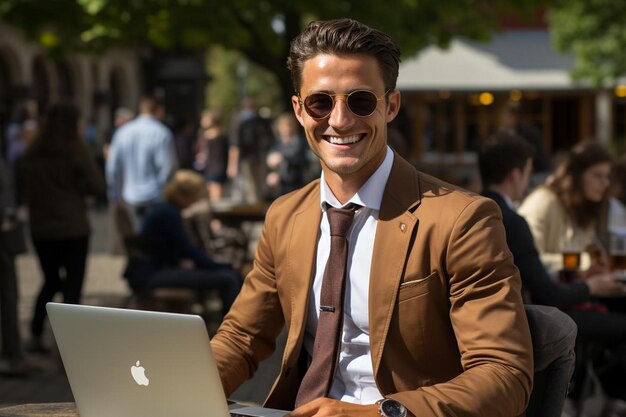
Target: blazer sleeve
(488,320)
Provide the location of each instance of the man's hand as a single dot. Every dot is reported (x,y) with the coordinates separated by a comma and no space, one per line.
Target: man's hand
(604,285)
(593,270)
(326,407)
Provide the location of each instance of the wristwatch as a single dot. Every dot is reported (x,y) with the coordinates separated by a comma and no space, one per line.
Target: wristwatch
(388,407)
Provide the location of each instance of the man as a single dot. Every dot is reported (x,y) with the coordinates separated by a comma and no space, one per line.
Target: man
(433,319)
(141,160)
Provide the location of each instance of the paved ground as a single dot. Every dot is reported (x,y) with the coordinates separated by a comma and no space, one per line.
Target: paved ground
(103,286)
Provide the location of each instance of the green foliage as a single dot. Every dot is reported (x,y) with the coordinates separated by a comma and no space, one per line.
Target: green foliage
(259,29)
(230,83)
(595,32)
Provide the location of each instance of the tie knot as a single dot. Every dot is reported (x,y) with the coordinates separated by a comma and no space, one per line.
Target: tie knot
(340,219)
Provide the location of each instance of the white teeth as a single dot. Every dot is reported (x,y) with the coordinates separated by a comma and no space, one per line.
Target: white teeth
(344,141)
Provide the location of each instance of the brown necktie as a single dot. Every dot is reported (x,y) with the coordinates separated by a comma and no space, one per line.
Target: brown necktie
(318,378)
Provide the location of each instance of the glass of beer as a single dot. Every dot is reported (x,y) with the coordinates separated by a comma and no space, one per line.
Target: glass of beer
(571,259)
(617,252)
(571,250)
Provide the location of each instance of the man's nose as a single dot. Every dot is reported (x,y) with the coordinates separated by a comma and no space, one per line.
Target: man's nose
(341,116)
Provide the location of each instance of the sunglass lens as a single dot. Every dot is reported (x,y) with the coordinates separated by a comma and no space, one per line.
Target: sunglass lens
(318,105)
(362,103)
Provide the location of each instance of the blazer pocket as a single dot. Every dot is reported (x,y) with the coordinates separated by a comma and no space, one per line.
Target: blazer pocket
(413,288)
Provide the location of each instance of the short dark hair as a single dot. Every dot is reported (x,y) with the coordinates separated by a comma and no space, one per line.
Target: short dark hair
(500,154)
(344,36)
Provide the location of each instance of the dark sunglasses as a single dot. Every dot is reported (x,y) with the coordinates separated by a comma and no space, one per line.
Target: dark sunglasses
(360,102)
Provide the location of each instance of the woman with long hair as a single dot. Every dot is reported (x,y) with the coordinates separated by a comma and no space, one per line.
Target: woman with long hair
(566,213)
(58,173)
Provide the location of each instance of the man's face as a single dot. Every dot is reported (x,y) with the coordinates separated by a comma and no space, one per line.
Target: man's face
(368,135)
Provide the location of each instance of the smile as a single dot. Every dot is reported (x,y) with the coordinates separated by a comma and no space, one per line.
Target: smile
(347,140)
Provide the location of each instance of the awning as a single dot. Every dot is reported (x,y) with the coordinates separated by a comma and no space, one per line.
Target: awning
(513,60)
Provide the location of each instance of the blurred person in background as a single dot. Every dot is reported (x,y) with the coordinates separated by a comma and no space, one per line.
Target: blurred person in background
(616,217)
(168,257)
(287,158)
(59,173)
(122,116)
(248,148)
(141,160)
(18,135)
(185,142)
(565,213)
(12,361)
(212,156)
(120,225)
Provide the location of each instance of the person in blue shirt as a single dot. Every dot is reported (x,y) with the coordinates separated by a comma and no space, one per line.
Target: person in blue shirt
(167,258)
(141,160)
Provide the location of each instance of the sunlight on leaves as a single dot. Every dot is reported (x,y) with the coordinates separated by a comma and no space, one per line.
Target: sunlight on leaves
(93,7)
(49,39)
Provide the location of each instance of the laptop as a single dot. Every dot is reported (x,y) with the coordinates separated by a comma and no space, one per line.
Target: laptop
(129,363)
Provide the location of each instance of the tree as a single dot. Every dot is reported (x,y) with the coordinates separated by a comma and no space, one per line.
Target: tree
(595,32)
(260,29)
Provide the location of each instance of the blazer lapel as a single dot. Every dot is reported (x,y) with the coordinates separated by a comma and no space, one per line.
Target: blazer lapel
(397,225)
(301,259)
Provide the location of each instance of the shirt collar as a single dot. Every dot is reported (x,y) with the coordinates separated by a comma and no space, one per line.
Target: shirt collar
(507,200)
(370,195)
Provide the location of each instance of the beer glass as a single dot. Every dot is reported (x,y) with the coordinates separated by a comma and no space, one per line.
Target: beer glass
(571,254)
(571,260)
(617,250)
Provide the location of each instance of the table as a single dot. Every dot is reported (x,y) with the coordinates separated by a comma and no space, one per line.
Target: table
(41,410)
(236,214)
(59,410)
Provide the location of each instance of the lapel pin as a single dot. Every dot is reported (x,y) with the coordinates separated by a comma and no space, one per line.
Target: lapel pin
(403,227)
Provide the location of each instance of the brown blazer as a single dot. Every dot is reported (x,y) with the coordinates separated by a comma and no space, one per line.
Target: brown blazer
(448,332)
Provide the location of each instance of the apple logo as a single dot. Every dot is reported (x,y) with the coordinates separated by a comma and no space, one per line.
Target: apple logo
(138,373)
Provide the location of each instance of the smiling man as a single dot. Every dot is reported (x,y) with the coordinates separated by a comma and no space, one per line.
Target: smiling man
(397,290)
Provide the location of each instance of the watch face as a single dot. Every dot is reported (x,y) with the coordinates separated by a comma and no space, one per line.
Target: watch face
(392,408)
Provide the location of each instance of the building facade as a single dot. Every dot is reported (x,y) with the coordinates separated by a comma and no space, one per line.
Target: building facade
(97,83)
(456,97)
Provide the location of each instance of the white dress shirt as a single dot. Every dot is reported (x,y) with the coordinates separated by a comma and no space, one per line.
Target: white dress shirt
(354,379)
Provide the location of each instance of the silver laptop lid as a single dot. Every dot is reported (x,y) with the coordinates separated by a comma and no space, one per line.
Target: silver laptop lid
(131,363)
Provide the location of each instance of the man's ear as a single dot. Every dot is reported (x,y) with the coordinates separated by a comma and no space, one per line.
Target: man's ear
(514,175)
(297,109)
(393,105)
